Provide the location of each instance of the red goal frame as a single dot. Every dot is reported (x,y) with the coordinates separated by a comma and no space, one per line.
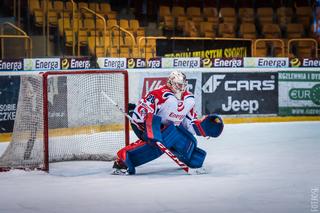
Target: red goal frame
(45,103)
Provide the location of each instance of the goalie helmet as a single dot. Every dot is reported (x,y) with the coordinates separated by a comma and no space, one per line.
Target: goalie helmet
(177,83)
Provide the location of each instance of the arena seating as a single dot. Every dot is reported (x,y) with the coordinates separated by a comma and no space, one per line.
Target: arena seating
(78,25)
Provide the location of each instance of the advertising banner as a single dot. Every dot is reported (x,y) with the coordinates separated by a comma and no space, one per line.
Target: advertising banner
(304,62)
(239,93)
(9,93)
(112,63)
(70,63)
(154,63)
(11,64)
(205,48)
(265,62)
(180,62)
(141,82)
(221,62)
(136,63)
(41,64)
(153,83)
(299,93)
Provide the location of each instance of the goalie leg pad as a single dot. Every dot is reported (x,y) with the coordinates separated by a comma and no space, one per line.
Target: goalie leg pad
(170,136)
(152,128)
(138,153)
(197,158)
(181,141)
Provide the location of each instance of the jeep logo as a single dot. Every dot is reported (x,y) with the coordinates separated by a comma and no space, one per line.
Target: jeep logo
(244,105)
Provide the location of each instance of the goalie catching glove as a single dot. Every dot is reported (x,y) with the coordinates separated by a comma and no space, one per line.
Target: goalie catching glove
(210,125)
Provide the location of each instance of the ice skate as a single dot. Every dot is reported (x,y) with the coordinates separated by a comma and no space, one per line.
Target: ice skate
(119,168)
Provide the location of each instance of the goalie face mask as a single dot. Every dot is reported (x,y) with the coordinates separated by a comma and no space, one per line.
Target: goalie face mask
(177,83)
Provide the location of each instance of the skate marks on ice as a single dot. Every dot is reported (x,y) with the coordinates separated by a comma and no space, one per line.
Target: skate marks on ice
(98,168)
(80,168)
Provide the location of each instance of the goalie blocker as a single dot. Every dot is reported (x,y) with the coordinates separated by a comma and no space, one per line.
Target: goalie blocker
(210,125)
(176,138)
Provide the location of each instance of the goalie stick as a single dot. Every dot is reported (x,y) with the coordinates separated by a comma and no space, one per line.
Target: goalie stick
(158,143)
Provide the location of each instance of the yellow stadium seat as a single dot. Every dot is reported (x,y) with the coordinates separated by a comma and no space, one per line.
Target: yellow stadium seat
(265,15)
(63,24)
(246,15)
(304,15)
(38,18)
(68,38)
(226,30)
(52,18)
(271,31)
(248,30)
(164,11)
(83,37)
(228,15)
(58,6)
(135,27)
(124,23)
(207,29)
(177,11)
(124,52)
(190,29)
(261,49)
(284,16)
(94,6)
(33,5)
(211,14)
(295,30)
(114,51)
(193,12)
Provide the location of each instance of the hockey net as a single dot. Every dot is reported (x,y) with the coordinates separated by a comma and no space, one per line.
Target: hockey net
(63,116)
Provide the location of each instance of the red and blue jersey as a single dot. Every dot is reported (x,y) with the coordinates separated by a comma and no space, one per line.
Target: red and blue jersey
(162,102)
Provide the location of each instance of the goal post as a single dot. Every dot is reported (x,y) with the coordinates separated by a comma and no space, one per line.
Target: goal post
(63,116)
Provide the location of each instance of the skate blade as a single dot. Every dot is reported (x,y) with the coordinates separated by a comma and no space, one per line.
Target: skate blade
(198,171)
(119,172)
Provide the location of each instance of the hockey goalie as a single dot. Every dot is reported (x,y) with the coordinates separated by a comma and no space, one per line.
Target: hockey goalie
(167,115)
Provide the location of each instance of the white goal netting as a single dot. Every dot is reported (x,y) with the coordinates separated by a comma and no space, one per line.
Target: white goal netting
(82,124)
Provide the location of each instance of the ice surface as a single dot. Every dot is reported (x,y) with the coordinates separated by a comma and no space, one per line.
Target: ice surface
(267,168)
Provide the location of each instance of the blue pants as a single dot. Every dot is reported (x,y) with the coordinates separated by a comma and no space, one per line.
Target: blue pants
(182,143)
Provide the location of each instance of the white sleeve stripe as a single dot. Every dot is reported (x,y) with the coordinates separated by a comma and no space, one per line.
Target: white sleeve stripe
(136,114)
